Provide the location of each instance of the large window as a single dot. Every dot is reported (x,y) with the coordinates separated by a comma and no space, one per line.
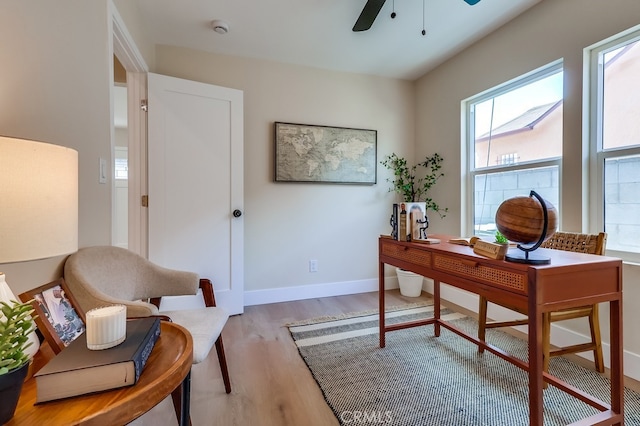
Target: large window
(615,142)
(513,144)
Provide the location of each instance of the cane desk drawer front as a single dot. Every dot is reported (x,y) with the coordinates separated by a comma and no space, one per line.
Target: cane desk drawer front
(409,254)
(516,281)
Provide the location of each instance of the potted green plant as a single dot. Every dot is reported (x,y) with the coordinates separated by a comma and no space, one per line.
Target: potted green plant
(16,323)
(413,184)
(504,243)
(501,239)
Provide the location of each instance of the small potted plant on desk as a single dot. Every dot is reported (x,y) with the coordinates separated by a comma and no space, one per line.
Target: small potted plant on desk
(504,242)
(413,183)
(16,323)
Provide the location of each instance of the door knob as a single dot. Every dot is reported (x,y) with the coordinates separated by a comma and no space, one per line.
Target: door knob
(237,213)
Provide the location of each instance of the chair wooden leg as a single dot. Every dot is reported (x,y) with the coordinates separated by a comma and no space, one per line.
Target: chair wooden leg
(594,324)
(223,364)
(482,321)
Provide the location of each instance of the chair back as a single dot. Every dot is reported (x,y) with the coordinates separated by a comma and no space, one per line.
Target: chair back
(104,275)
(113,271)
(576,242)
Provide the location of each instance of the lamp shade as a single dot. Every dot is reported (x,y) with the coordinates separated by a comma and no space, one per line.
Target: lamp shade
(38,200)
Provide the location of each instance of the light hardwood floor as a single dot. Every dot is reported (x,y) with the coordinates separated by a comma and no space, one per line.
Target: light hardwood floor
(271,383)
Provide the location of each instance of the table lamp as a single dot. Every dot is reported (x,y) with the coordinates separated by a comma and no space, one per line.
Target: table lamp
(38,205)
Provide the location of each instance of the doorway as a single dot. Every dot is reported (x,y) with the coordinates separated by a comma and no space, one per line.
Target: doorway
(120,166)
(225,257)
(127,94)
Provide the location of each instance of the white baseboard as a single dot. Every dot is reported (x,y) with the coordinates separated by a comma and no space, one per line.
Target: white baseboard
(288,294)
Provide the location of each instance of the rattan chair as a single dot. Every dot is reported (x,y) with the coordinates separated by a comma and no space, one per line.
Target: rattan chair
(568,241)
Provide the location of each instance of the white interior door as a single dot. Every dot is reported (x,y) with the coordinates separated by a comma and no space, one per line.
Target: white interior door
(195,169)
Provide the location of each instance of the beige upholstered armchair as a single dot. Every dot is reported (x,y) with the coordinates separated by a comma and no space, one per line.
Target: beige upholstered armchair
(103,275)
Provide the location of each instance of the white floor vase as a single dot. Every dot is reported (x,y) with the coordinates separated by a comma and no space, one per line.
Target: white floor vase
(410,283)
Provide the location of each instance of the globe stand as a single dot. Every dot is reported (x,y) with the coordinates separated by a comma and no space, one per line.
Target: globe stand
(526,256)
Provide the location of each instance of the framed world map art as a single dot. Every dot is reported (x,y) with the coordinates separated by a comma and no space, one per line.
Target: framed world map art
(323,154)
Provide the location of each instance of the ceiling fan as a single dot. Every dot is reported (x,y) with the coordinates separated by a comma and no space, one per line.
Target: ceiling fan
(371,10)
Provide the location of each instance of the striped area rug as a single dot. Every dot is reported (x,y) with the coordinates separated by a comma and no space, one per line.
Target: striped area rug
(419,379)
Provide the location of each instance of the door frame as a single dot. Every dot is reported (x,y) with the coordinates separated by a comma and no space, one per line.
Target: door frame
(125,49)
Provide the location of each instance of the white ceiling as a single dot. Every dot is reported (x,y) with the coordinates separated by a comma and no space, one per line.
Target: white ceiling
(318,33)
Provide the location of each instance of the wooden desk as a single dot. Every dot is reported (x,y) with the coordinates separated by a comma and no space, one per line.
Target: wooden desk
(570,280)
(168,368)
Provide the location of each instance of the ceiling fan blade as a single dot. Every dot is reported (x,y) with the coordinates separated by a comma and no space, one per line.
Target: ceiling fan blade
(369,14)
(472,2)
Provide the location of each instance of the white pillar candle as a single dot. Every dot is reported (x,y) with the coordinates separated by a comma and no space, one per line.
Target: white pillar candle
(106,327)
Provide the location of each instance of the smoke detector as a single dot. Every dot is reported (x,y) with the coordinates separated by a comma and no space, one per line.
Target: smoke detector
(220,26)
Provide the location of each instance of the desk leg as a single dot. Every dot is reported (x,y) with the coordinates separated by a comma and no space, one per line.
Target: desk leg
(536,408)
(617,378)
(381,302)
(436,307)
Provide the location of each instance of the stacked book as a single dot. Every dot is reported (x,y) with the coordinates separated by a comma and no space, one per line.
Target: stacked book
(78,371)
(402,223)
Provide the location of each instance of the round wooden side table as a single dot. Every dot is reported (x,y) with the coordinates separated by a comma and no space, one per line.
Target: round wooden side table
(167,372)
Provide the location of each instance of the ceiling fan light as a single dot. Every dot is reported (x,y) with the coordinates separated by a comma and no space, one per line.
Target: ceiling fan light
(373,7)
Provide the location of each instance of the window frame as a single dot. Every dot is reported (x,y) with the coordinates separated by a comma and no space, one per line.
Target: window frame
(468,143)
(593,113)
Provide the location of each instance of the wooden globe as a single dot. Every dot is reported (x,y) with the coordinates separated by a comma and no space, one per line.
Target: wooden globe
(521,219)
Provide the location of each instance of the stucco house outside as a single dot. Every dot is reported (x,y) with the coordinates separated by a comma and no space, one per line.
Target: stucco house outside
(537,134)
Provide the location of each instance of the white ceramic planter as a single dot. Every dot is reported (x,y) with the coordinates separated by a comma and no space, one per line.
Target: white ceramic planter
(410,283)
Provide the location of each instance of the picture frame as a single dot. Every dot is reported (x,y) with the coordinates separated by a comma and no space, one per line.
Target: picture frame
(59,316)
(324,154)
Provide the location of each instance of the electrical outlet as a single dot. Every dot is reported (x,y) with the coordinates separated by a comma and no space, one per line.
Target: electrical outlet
(313,265)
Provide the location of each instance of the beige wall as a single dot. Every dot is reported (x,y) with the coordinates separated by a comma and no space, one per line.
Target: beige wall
(286,225)
(130,14)
(551,30)
(54,87)
(532,40)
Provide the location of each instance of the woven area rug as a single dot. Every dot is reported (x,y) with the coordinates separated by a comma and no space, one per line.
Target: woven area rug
(419,379)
